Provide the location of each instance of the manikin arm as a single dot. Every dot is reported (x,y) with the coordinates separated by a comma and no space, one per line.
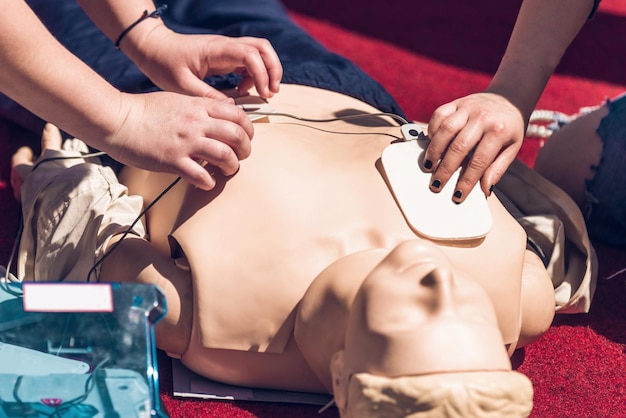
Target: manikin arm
(493,123)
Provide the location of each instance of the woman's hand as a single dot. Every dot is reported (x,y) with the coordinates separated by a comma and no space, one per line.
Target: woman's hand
(180,62)
(482,132)
(193,137)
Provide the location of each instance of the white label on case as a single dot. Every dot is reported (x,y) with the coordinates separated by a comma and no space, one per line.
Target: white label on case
(68,297)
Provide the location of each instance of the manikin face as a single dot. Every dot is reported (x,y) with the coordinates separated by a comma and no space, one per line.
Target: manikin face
(416,314)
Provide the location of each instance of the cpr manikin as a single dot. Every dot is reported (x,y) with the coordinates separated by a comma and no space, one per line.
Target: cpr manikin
(300,272)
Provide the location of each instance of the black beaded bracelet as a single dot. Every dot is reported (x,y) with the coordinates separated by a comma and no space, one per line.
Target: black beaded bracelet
(145,15)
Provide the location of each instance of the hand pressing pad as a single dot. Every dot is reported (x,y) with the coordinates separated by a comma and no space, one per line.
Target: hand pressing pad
(433,215)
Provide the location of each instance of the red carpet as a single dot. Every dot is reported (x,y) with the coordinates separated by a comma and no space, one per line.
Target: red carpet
(425,54)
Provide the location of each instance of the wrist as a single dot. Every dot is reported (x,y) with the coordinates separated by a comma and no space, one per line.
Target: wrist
(147,49)
(102,128)
(520,90)
(137,31)
(121,120)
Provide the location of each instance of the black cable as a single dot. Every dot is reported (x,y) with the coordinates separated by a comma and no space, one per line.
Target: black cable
(397,118)
(130,228)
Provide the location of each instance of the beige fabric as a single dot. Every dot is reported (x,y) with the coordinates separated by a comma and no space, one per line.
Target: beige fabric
(506,394)
(552,220)
(71,208)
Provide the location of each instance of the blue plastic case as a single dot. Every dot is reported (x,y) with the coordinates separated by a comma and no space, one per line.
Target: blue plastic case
(68,363)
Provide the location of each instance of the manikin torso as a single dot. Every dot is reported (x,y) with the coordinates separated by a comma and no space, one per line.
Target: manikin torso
(302,200)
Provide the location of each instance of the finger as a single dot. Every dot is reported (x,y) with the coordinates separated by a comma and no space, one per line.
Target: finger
(496,170)
(439,115)
(217,154)
(480,160)
(271,61)
(51,138)
(194,86)
(21,166)
(255,68)
(244,86)
(442,136)
(195,174)
(454,156)
(243,56)
(23,157)
(212,93)
(229,122)
(262,64)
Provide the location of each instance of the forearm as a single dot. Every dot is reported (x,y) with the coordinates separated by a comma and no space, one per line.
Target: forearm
(543,31)
(114,16)
(41,75)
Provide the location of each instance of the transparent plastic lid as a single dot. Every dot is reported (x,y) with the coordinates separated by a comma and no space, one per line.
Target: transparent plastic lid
(79,350)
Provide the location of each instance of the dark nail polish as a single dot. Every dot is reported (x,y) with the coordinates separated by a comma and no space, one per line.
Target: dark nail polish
(428,164)
(458,195)
(436,184)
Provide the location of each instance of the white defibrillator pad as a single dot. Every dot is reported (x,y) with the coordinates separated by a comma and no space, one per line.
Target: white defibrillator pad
(18,360)
(433,215)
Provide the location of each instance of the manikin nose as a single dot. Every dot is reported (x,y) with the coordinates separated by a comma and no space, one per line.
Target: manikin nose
(441,282)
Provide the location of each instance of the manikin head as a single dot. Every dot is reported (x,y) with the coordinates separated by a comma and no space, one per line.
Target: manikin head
(423,340)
